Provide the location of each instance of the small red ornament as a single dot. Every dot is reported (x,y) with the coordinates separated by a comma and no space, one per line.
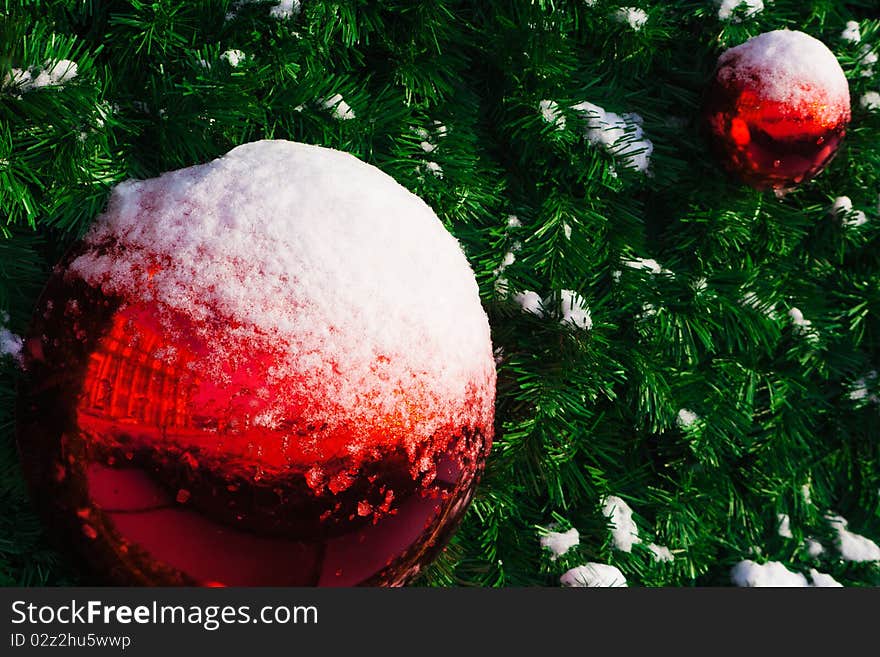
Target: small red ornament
(777,109)
(272,369)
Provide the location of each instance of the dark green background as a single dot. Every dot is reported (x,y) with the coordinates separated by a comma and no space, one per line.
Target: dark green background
(580,414)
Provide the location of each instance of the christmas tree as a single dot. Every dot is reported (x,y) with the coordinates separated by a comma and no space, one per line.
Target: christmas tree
(687,366)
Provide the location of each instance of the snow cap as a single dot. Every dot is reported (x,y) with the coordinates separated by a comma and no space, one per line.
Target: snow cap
(364,303)
(790,67)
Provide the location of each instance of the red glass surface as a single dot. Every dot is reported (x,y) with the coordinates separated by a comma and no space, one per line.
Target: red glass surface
(155,475)
(767,144)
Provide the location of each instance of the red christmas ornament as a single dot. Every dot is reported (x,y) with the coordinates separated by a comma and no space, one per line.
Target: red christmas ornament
(272,369)
(777,109)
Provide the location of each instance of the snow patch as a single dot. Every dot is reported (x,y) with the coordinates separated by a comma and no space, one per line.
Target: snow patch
(823,580)
(530,302)
(427,145)
(861,388)
(814,547)
(574,310)
(842,209)
(510,256)
(624,531)
(10,344)
(50,74)
(593,575)
(632,16)
(649,310)
(434,168)
(620,135)
(285,9)
(806,493)
(797,318)
(870,101)
(560,542)
(851,33)
(853,547)
(784,529)
(803,326)
(772,573)
(19,78)
(341,110)
(726,9)
(686,418)
(233,57)
(551,113)
(282,10)
(867,60)
(56,73)
(660,552)
(647,264)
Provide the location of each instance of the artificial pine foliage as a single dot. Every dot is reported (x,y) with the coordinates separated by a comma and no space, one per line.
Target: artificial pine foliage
(693,390)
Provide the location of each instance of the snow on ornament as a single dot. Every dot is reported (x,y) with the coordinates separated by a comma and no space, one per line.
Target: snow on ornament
(271,369)
(777,109)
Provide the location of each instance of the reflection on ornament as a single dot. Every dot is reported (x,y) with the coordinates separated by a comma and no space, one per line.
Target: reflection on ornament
(175,447)
(777,109)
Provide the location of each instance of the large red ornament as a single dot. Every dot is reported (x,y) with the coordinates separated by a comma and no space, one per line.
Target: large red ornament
(777,109)
(273,369)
